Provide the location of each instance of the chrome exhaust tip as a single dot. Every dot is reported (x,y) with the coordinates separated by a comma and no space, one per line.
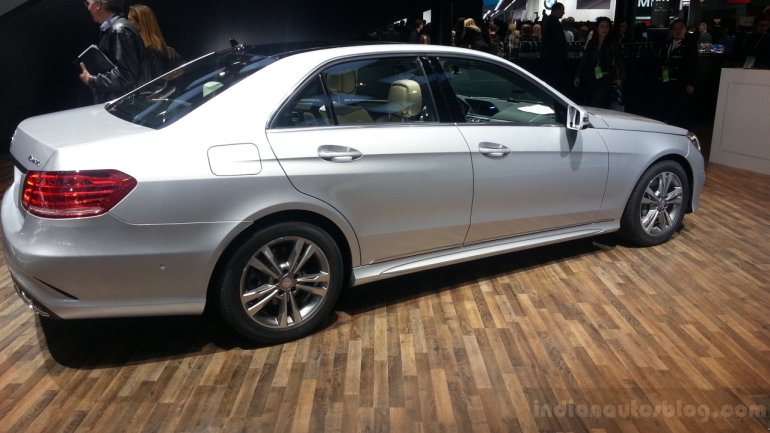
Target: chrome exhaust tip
(31,303)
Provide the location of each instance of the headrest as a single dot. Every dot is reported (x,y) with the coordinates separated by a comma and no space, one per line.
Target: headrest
(405,98)
(343,82)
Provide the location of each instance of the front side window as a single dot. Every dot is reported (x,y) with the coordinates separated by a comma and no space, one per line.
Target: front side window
(489,93)
(372,91)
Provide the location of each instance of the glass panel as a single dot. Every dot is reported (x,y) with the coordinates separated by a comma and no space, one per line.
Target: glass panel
(390,90)
(490,93)
(170,97)
(307,109)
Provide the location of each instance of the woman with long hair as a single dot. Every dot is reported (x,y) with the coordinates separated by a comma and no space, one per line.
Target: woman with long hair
(472,36)
(162,57)
(601,66)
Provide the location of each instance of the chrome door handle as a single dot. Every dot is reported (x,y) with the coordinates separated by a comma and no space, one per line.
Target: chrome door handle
(339,153)
(493,150)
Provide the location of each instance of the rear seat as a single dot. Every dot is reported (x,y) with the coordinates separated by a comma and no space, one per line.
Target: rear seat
(341,84)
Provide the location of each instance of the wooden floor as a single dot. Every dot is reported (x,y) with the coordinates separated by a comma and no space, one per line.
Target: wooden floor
(591,336)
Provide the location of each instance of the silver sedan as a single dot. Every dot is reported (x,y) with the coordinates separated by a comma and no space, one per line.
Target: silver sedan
(264,179)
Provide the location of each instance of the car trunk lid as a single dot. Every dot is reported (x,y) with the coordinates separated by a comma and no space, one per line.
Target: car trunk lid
(38,138)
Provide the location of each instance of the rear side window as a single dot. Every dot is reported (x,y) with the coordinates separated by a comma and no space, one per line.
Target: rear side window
(169,98)
(389,90)
(308,108)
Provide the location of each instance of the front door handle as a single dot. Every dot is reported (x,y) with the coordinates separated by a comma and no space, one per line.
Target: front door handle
(493,150)
(339,153)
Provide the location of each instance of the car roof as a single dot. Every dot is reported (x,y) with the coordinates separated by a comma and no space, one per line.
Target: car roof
(284,49)
(342,48)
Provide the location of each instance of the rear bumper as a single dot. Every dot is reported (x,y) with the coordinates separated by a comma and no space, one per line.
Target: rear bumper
(104,267)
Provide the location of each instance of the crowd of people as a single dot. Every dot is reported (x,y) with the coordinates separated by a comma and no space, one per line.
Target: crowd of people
(604,49)
(137,49)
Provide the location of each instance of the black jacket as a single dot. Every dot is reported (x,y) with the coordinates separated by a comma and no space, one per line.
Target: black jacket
(757,47)
(122,44)
(162,62)
(473,39)
(554,48)
(680,61)
(609,58)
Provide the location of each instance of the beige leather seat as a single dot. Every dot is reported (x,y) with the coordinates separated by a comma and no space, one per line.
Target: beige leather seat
(404,101)
(345,83)
(347,115)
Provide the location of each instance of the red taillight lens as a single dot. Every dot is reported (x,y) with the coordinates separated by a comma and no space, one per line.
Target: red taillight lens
(72,194)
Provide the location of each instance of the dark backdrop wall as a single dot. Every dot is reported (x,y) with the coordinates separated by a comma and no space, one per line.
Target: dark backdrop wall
(41,38)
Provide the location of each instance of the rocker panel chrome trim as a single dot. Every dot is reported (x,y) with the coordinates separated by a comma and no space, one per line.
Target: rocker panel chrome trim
(370,273)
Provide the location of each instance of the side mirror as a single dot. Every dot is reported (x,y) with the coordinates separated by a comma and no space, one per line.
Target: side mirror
(577,119)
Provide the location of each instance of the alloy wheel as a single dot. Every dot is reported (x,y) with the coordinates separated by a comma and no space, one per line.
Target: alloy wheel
(285,282)
(661,203)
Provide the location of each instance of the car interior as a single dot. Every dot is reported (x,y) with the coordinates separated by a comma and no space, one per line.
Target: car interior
(364,92)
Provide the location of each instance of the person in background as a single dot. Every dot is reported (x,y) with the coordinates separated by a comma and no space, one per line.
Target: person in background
(415,35)
(582,33)
(526,32)
(458,30)
(390,34)
(704,37)
(472,37)
(622,35)
(728,37)
(569,29)
(716,29)
(121,43)
(678,74)
(601,66)
(425,33)
(161,58)
(754,51)
(493,40)
(512,38)
(537,32)
(621,32)
(554,50)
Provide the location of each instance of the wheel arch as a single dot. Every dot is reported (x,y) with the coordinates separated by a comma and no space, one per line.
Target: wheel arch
(304,216)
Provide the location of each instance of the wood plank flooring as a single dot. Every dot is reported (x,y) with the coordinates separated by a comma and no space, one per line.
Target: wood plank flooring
(591,336)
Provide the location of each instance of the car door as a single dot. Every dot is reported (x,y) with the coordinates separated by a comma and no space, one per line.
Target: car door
(363,137)
(531,173)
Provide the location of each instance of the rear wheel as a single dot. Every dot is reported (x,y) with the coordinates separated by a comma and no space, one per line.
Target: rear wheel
(281,283)
(657,204)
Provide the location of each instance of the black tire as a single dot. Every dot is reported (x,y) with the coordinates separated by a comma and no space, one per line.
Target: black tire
(657,205)
(288,276)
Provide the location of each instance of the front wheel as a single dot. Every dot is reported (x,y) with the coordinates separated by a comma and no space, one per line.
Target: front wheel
(657,204)
(281,283)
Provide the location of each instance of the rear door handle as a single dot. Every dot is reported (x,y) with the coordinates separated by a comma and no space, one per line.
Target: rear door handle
(493,150)
(339,153)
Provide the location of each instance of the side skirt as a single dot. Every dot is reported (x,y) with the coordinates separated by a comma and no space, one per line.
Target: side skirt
(379,271)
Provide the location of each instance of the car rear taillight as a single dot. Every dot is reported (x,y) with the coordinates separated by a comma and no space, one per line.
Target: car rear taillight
(73,194)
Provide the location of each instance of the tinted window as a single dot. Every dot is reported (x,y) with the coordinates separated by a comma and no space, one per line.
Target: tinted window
(170,97)
(308,108)
(390,90)
(490,93)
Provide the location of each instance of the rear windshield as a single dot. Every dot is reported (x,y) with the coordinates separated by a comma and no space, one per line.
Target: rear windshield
(169,98)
